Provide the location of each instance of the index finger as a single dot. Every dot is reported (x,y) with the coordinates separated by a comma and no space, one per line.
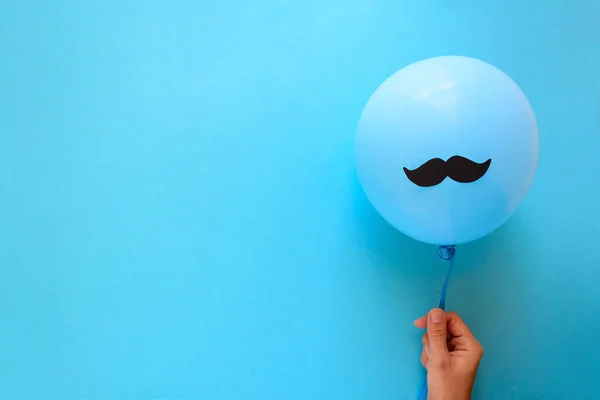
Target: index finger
(421,322)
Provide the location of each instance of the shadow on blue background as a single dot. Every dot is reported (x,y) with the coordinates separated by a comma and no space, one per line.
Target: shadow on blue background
(180,216)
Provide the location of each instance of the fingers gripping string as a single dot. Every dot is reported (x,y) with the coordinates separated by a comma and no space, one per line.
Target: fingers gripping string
(446,253)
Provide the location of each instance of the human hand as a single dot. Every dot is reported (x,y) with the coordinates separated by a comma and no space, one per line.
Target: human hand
(451,355)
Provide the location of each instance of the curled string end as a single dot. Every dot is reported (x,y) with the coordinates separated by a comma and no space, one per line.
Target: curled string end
(446,253)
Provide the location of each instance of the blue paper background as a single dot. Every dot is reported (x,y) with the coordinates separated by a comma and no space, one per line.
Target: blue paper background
(180,216)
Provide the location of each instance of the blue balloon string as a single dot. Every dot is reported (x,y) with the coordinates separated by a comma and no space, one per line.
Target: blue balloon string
(446,253)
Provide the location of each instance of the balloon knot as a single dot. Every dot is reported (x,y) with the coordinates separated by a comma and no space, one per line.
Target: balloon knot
(446,253)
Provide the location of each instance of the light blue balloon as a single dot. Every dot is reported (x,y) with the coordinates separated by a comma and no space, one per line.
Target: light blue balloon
(440,108)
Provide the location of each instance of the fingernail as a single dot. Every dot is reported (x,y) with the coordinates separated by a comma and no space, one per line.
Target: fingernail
(437,315)
(427,351)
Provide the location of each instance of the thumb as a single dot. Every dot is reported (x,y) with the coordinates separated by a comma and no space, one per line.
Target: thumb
(436,333)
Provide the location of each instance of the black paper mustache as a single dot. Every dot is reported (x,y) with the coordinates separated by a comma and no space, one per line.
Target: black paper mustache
(457,168)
